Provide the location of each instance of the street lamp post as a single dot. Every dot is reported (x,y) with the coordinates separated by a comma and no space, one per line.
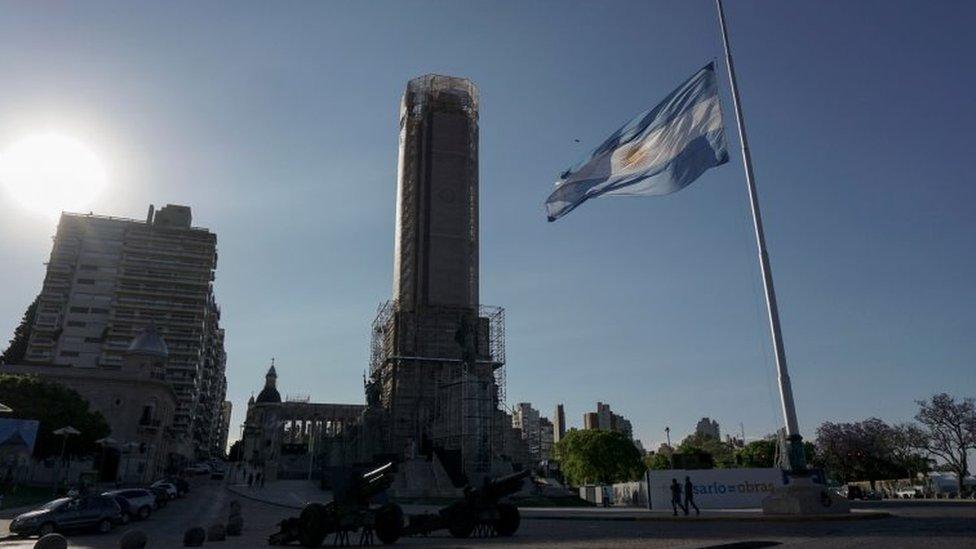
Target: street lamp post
(64,432)
(667,433)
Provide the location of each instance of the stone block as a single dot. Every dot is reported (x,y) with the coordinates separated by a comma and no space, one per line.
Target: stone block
(194,537)
(802,496)
(133,539)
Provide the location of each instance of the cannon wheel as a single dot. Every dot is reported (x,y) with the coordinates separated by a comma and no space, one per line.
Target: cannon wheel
(312,527)
(508,519)
(389,523)
(461,524)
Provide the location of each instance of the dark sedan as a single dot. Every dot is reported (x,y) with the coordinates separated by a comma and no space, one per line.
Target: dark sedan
(98,512)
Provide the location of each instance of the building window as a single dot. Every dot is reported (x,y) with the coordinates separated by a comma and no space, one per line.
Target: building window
(89,267)
(86,281)
(69,353)
(99,311)
(76,324)
(79,309)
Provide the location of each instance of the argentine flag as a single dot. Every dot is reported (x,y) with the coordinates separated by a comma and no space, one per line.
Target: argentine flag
(661,151)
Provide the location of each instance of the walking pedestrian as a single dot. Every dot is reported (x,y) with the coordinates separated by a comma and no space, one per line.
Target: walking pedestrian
(690,496)
(262,479)
(250,479)
(676,497)
(257,479)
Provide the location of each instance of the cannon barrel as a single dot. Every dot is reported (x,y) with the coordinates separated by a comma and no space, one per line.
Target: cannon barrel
(507,485)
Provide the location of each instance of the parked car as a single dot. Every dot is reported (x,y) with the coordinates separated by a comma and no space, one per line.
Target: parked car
(182,486)
(198,469)
(126,510)
(142,502)
(162,496)
(218,472)
(171,490)
(98,512)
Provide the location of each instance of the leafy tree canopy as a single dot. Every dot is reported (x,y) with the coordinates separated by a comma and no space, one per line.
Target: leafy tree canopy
(14,354)
(657,461)
(55,406)
(758,453)
(593,456)
(947,432)
(721,453)
(865,450)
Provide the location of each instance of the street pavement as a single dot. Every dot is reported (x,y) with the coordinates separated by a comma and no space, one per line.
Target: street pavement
(912,524)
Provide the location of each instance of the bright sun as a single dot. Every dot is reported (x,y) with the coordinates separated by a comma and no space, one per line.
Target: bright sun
(49,172)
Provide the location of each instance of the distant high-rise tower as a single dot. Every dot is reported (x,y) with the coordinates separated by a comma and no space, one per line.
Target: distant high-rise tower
(559,424)
(437,354)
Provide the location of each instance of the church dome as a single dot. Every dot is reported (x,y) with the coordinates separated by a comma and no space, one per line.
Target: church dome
(148,342)
(268,394)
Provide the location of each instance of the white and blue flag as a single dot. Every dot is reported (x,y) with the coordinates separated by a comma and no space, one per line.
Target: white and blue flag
(660,151)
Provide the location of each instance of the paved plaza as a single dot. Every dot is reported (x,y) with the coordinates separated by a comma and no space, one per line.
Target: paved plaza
(911,524)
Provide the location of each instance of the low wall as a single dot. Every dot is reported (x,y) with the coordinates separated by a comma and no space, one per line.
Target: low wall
(716,488)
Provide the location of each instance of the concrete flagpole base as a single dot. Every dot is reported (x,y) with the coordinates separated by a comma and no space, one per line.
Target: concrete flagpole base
(802,496)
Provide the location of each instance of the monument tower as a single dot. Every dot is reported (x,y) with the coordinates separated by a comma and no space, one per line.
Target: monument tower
(437,354)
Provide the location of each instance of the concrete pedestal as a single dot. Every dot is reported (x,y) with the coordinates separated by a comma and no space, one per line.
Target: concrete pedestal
(804,497)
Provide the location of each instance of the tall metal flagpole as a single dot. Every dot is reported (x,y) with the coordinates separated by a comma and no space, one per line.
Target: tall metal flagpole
(794,440)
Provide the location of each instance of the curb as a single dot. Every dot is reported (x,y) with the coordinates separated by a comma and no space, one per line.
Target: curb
(866,515)
(260,500)
(755,518)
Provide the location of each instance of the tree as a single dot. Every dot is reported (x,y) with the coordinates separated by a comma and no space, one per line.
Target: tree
(948,432)
(657,461)
(594,456)
(863,450)
(55,406)
(14,354)
(720,452)
(758,453)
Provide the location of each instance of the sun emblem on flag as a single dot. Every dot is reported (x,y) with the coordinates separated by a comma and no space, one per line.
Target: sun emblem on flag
(634,156)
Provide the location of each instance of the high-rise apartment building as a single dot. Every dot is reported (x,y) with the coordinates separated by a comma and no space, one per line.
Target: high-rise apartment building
(223,432)
(591,421)
(605,420)
(108,278)
(527,418)
(559,424)
(546,436)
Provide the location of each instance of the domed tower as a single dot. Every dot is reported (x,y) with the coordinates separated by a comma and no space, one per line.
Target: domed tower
(147,354)
(270,395)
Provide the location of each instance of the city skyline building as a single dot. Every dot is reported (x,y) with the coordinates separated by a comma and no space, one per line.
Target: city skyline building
(591,421)
(559,424)
(528,420)
(708,427)
(108,278)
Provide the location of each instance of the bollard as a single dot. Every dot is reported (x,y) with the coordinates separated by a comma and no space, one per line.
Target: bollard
(52,541)
(194,537)
(133,539)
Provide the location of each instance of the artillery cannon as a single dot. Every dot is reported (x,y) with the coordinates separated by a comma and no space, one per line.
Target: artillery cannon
(479,513)
(350,511)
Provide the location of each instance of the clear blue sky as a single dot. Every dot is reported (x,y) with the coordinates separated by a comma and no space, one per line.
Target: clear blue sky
(277,123)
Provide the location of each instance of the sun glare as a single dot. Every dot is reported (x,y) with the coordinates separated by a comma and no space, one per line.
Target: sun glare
(48,173)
